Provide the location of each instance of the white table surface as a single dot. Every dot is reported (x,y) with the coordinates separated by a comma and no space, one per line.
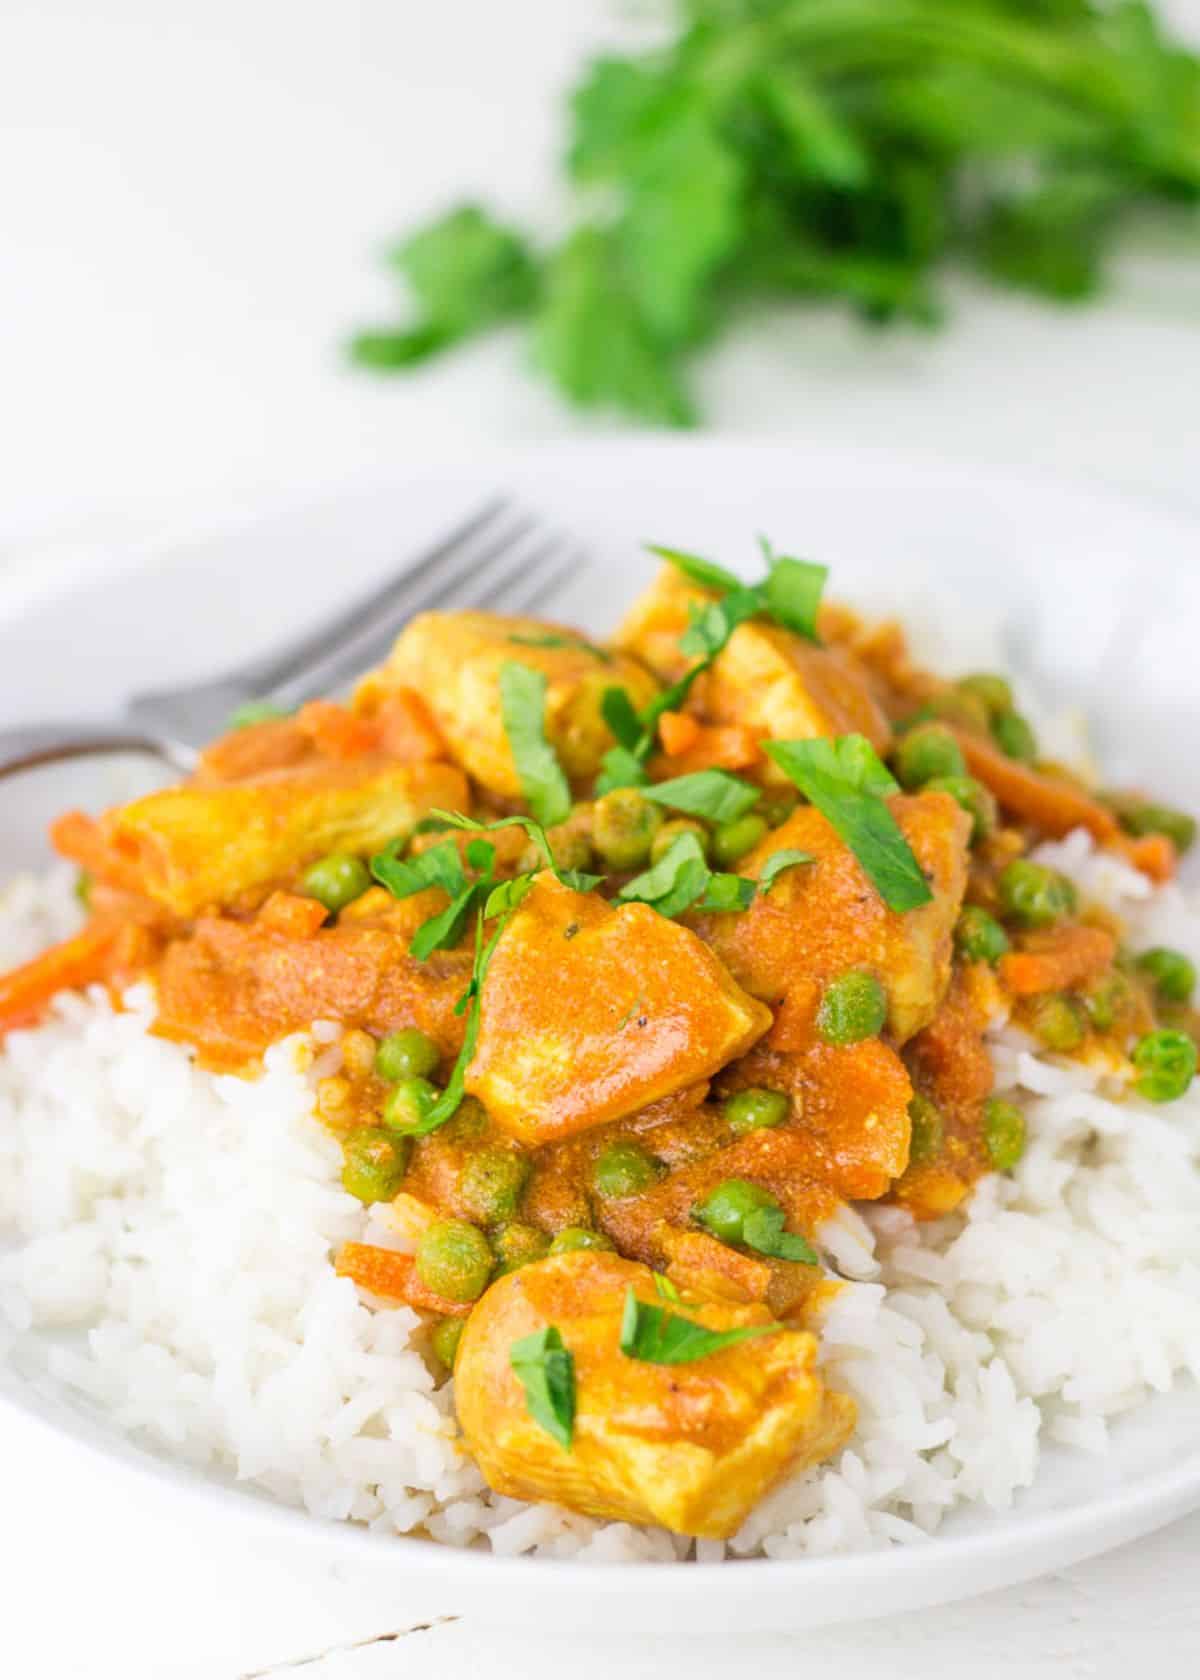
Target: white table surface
(190,197)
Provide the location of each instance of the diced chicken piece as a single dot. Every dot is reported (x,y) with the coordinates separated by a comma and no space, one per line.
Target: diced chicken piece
(767,679)
(194,847)
(454,661)
(590,1013)
(822,918)
(691,1446)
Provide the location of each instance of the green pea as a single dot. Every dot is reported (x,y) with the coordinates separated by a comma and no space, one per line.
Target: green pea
(1014,735)
(406,1055)
(977,801)
(979,937)
(444,1339)
(1110,998)
(995,691)
(571,848)
(926,752)
(373,1163)
(623,828)
(408,1104)
(1173,974)
(853,1007)
(467,1124)
(724,1211)
(336,880)
(519,1245)
(754,1109)
(1003,1133)
(1060,1022)
(255,711)
(623,1169)
(574,1237)
(928,1129)
(1033,895)
(671,831)
(734,839)
(1178,826)
(777,805)
(454,1260)
(1166,1065)
(492,1182)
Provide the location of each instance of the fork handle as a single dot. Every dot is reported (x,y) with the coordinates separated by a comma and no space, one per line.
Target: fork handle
(32,744)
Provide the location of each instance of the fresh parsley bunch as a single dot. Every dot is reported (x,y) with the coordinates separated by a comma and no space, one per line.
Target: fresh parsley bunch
(823,148)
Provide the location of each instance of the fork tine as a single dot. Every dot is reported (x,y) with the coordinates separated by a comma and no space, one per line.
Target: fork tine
(292,659)
(507,577)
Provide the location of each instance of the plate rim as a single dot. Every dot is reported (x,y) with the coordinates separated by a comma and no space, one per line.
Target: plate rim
(1078,1530)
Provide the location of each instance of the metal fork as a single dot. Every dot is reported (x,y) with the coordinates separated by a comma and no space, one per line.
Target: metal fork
(499,557)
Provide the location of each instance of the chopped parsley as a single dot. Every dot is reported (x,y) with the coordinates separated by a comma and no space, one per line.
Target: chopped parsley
(545,1368)
(788,857)
(848,784)
(658,1337)
(715,795)
(681,878)
(762,1230)
(523,709)
(551,639)
(790,593)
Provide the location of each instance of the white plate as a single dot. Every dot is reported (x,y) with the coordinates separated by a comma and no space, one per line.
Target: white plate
(1093,599)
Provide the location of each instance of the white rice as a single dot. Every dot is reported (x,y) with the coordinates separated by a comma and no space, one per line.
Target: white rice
(171,1233)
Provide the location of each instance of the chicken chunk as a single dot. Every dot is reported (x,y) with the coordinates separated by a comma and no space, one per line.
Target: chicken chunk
(820,919)
(454,661)
(590,1013)
(766,679)
(193,847)
(691,1446)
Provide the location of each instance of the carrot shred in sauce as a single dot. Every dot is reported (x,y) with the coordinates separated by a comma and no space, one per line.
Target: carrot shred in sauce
(394,1276)
(1059,958)
(1045,802)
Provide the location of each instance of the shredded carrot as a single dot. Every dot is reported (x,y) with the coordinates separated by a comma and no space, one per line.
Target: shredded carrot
(336,732)
(1061,957)
(394,1276)
(718,746)
(290,914)
(1153,854)
(677,732)
(1053,806)
(407,732)
(25,991)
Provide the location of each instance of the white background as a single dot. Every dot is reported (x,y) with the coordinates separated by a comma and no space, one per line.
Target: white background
(191,199)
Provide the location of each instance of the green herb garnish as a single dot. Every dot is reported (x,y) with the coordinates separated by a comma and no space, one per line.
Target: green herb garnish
(788,857)
(545,1368)
(523,708)
(791,590)
(848,784)
(658,1337)
(763,1231)
(852,150)
(681,878)
(715,795)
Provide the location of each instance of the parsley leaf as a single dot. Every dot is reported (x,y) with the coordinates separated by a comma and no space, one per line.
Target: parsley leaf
(788,857)
(727,892)
(440,866)
(658,1337)
(763,1231)
(676,881)
(523,708)
(545,1369)
(464,272)
(848,784)
(715,795)
(620,714)
(704,572)
(793,592)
